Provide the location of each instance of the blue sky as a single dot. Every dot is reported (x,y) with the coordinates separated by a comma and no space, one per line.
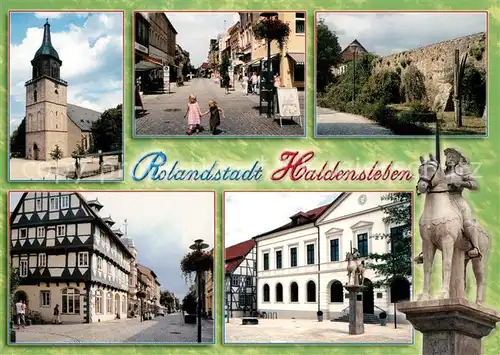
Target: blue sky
(389,33)
(162,224)
(90,46)
(267,210)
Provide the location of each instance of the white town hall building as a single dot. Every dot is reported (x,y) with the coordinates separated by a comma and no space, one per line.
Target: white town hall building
(301,266)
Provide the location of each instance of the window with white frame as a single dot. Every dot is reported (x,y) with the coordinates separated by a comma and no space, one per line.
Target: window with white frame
(61,231)
(38,204)
(65,201)
(99,263)
(300,22)
(98,302)
(44,298)
(42,260)
(40,232)
(23,233)
(54,203)
(109,266)
(71,301)
(23,268)
(109,303)
(83,259)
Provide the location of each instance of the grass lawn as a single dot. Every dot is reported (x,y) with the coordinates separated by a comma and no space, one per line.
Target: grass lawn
(471,125)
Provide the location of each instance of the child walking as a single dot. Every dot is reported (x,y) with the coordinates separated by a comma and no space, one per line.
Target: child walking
(215,116)
(194,115)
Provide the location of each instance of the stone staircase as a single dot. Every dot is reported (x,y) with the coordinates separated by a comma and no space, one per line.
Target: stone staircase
(367,319)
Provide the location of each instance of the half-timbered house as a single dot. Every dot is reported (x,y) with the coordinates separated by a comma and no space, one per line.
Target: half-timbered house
(68,255)
(241,279)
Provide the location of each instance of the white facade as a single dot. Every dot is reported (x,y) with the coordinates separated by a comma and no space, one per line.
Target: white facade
(352,219)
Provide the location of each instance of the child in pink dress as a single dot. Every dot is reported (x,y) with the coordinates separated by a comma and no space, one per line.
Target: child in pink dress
(194,115)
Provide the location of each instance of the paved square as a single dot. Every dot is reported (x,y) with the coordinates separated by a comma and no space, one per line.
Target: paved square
(165,112)
(167,329)
(312,331)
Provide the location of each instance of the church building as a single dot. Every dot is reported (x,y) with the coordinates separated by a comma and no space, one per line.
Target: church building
(68,255)
(50,120)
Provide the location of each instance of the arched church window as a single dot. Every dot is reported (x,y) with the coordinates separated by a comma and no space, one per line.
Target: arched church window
(35,96)
(46,68)
(54,70)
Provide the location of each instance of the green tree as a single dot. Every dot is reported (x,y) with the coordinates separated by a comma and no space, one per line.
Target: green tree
(56,154)
(328,53)
(18,139)
(224,65)
(107,132)
(14,283)
(382,87)
(413,85)
(396,263)
(167,299)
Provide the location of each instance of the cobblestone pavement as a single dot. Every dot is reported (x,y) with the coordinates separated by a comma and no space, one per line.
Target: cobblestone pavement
(311,331)
(165,112)
(168,329)
(25,169)
(333,123)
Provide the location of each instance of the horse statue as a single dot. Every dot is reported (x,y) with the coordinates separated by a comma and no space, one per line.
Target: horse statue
(355,269)
(441,227)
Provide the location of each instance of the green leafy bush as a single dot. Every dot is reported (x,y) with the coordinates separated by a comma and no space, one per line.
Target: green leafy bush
(382,87)
(413,84)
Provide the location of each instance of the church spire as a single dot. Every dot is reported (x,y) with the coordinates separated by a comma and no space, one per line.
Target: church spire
(46,48)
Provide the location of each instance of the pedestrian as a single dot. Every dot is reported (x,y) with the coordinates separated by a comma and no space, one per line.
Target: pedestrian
(138,98)
(22,314)
(19,308)
(244,84)
(277,84)
(193,114)
(257,85)
(216,114)
(255,81)
(56,319)
(226,82)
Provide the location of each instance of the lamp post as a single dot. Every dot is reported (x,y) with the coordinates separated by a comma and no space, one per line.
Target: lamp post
(270,91)
(354,47)
(198,245)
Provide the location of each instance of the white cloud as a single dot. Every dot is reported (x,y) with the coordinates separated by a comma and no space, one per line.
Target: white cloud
(387,33)
(247,214)
(92,57)
(195,29)
(47,14)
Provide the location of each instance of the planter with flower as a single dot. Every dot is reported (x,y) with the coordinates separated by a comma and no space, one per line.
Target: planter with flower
(272,29)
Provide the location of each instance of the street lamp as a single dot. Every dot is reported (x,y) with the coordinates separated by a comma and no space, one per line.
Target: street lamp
(270,92)
(198,245)
(354,48)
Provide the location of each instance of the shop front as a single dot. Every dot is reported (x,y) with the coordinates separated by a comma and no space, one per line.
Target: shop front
(148,73)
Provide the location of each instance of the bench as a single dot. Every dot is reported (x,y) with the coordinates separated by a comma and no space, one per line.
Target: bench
(249,321)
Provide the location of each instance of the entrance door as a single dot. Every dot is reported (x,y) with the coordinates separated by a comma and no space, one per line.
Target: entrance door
(35,151)
(368,302)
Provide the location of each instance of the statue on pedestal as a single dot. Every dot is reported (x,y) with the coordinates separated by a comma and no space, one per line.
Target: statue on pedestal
(356,266)
(447,224)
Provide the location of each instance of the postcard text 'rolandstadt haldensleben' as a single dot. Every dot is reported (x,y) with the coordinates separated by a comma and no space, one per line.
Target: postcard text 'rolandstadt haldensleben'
(154,165)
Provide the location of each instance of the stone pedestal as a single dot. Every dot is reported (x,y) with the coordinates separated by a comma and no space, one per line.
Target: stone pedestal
(450,326)
(356,325)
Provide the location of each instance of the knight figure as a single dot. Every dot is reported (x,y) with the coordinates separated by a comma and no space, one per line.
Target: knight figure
(459,177)
(355,254)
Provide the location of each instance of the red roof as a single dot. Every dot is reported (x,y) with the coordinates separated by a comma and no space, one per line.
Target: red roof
(302,218)
(235,254)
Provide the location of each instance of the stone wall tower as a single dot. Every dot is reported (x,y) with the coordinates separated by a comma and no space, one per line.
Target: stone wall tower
(46,103)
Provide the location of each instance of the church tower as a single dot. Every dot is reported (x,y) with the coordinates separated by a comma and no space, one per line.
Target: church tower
(46,103)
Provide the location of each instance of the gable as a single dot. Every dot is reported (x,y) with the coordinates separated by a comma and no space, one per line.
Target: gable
(351,203)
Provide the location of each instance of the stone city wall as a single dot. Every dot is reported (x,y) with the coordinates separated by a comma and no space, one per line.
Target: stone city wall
(436,61)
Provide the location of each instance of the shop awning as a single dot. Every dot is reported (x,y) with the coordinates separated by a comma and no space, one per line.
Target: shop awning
(147,63)
(298,58)
(253,63)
